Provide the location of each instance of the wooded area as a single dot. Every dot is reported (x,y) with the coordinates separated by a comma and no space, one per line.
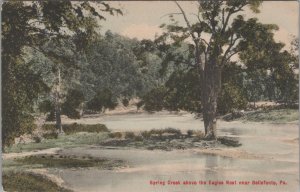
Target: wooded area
(56,62)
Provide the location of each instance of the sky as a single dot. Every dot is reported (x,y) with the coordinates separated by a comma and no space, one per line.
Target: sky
(142,19)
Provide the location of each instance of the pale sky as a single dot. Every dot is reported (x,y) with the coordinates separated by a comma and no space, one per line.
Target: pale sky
(142,19)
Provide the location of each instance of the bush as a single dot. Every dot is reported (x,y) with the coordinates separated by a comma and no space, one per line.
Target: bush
(115,135)
(138,138)
(74,128)
(37,139)
(73,101)
(230,99)
(190,133)
(125,102)
(145,134)
(49,127)
(52,135)
(172,130)
(160,132)
(154,100)
(199,134)
(102,100)
(129,135)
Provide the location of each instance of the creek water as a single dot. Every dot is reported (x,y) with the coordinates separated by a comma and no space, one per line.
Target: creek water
(273,166)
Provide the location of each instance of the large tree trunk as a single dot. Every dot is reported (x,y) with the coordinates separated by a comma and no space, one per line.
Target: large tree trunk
(211,81)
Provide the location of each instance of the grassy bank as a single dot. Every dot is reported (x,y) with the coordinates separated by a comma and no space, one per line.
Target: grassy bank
(75,135)
(272,116)
(62,141)
(29,182)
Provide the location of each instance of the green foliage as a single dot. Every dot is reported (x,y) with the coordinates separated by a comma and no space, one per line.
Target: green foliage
(63,141)
(74,128)
(183,91)
(169,130)
(45,106)
(155,99)
(263,60)
(37,139)
(52,135)
(73,101)
(129,135)
(125,102)
(101,101)
(112,64)
(230,99)
(273,115)
(115,135)
(21,27)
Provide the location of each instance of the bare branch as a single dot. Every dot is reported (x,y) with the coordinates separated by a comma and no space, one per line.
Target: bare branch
(229,56)
(187,22)
(204,41)
(231,45)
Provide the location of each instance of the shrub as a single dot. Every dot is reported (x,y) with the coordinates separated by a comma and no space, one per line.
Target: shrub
(129,135)
(115,135)
(73,101)
(125,102)
(103,99)
(37,139)
(160,132)
(74,128)
(172,130)
(145,134)
(155,99)
(49,127)
(190,133)
(52,135)
(199,134)
(138,138)
(231,98)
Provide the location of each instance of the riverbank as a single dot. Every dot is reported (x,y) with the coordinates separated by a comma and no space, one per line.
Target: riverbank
(268,152)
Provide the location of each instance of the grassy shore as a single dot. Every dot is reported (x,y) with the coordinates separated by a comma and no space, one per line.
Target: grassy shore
(29,182)
(272,116)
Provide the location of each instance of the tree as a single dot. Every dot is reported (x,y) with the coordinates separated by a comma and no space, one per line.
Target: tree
(216,36)
(270,69)
(32,24)
(102,100)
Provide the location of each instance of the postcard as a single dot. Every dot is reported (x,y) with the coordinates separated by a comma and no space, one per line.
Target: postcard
(150,96)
